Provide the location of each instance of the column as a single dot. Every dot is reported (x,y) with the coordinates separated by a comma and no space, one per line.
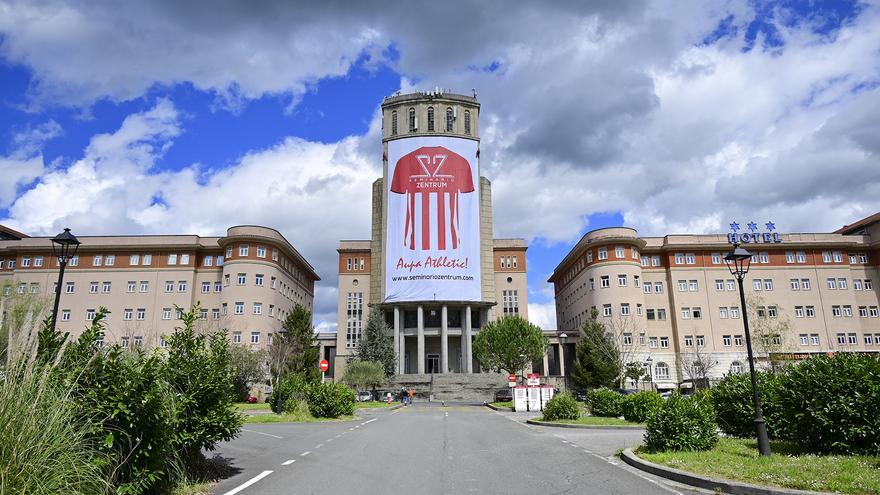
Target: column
(466,341)
(561,355)
(444,341)
(398,342)
(420,345)
(546,364)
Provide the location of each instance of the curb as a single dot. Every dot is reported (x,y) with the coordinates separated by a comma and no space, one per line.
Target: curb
(496,408)
(398,406)
(714,484)
(584,427)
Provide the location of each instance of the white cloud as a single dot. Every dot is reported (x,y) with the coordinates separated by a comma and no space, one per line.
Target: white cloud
(543,315)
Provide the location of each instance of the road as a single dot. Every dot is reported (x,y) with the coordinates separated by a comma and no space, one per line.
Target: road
(427,449)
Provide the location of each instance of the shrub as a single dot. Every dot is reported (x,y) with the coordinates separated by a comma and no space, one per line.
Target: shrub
(331,400)
(735,412)
(681,424)
(294,388)
(562,406)
(637,407)
(604,402)
(830,403)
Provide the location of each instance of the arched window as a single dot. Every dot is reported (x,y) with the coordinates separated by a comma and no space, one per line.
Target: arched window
(394,123)
(412,120)
(736,368)
(467,122)
(450,117)
(662,370)
(430,119)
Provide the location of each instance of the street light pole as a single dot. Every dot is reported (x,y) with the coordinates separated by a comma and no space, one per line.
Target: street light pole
(64,247)
(738,261)
(562,338)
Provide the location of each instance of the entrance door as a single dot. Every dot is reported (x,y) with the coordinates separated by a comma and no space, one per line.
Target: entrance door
(433,363)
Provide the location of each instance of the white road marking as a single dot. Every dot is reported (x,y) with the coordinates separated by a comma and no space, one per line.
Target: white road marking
(288,463)
(368,422)
(305,453)
(328,440)
(337,436)
(248,483)
(319,445)
(261,433)
(351,429)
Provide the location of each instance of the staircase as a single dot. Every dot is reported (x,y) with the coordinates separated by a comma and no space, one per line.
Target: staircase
(452,387)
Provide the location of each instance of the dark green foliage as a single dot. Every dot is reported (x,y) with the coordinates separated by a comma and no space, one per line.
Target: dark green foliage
(604,402)
(732,398)
(200,371)
(331,400)
(50,341)
(377,345)
(293,388)
(294,349)
(562,406)
(509,344)
(682,424)
(831,404)
(364,375)
(638,406)
(597,361)
(249,365)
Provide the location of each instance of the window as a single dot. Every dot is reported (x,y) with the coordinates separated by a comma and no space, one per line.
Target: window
(768,284)
(619,252)
(662,371)
(801,257)
(757,284)
(693,286)
(147,259)
(258,308)
(138,341)
(145,286)
(206,287)
(141,314)
(93,288)
(208,261)
(682,286)
(852,339)
(725,340)
(857,284)
(772,311)
(239,308)
(701,341)
(181,286)
(354,314)
(639,309)
(218,287)
(838,256)
(736,368)
(789,256)
(236,337)
(90,314)
(635,253)
(467,122)
(648,288)
(811,312)
(97,260)
(621,280)
(731,285)
(835,311)
(738,340)
(661,314)
(805,284)
(134,259)
(722,313)
(697,312)
(73,261)
(110,260)
(685,313)
(450,117)
(169,286)
(242,278)
(172,259)
(641,339)
(604,282)
(863,311)
(627,339)
(65,315)
(799,311)
(803,339)
(258,280)
(243,250)
(255,337)
(795,284)
(226,280)
(272,282)
(132,285)
(719,285)
(645,261)
(606,310)
(105,287)
(70,288)
(873,311)
(636,281)
(430,119)
(679,258)
(603,253)
(271,310)
(655,261)
(590,256)
(690,258)
(215,313)
(814,339)
(184,259)
(624,309)
(166,313)
(229,252)
(734,312)
(688,340)
(658,287)
(393,131)
(868,284)
(649,314)
(847,310)
(652,342)
(869,339)
(261,251)
(841,338)
(413,121)
(219,260)
(716,258)
(510,302)
(826,256)
(841,283)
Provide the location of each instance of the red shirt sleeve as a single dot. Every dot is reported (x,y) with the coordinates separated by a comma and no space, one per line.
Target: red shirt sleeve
(464,178)
(400,179)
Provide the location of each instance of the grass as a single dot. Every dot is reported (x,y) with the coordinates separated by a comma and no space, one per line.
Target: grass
(259,406)
(374,404)
(501,405)
(292,418)
(788,467)
(596,421)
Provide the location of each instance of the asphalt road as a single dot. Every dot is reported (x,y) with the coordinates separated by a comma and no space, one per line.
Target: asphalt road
(427,449)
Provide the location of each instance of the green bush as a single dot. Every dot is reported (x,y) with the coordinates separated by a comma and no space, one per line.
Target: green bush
(638,406)
(681,424)
(331,400)
(562,406)
(732,399)
(293,389)
(604,402)
(830,404)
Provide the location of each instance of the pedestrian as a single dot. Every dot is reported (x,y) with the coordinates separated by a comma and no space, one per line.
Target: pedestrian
(410,395)
(403,396)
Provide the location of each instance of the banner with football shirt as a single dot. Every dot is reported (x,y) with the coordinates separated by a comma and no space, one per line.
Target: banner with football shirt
(433,234)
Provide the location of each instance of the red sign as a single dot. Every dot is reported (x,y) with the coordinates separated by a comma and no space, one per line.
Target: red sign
(324,365)
(511,377)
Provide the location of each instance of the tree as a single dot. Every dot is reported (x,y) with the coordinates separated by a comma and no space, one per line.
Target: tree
(635,371)
(363,375)
(376,346)
(597,361)
(770,329)
(293,349)
(250,368)
(509,344)
(698,365)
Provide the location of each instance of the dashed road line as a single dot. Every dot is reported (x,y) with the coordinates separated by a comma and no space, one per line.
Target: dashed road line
(305,453)
(248,483)
(288,462)
(261,433)
(319,446)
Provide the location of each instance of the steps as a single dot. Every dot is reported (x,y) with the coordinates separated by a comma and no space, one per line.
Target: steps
(452,387)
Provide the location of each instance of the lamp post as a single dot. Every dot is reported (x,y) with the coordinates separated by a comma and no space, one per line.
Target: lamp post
(738,261)
(649,375)
(562,337)
(64,247)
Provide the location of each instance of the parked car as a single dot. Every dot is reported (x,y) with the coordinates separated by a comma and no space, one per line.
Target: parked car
(503,395)
(666,394)
(251,399)
(624,391)
(580,395)
(364,396)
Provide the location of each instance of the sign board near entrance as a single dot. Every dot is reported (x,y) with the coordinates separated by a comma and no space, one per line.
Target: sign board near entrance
(432,239)
(324,366)
(533,379)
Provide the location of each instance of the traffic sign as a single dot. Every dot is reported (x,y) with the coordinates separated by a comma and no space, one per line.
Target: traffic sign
(511,377)
(324,366)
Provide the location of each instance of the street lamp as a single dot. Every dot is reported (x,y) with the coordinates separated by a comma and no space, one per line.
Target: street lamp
(64,247)
(738,261)
(648,361)
(562,337)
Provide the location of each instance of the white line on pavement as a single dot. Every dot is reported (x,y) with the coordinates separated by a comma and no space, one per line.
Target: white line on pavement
(261,433)
(248,483)
(305,453)
(319,445)
(288,462)
(368,422)
(328,440)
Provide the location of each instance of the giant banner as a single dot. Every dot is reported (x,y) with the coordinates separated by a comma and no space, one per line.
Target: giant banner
(433,234)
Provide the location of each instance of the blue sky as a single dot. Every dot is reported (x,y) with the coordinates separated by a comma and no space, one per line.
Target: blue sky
(646,118)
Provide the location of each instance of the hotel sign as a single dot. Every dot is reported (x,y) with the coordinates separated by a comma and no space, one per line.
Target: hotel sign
(752,236)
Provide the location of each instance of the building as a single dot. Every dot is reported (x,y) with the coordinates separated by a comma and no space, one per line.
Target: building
(672,305)
(245,282)
(432,265)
